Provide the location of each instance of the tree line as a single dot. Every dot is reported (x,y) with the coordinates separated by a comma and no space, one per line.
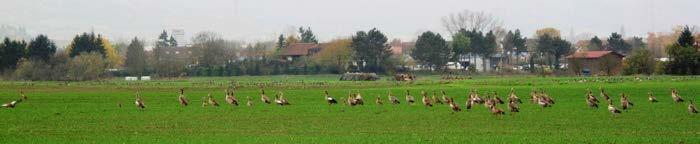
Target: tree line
(92,56)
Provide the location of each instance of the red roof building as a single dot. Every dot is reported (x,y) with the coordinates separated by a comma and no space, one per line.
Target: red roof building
(595,62)
(296,50)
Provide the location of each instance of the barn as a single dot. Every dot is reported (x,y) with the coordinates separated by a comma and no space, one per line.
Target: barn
(595,62)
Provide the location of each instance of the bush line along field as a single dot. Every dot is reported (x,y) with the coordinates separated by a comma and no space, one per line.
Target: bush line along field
(87,112)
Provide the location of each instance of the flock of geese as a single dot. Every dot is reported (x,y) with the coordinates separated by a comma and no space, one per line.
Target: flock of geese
(490,100)
(230,97)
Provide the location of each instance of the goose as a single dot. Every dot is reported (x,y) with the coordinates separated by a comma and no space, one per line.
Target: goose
(497,111)
(591,96)
(543,102)
(330,99)
(351,99)
(444,96)
(497,98)
(534,96)
(426,100)
(281,101)
(513,107)
(548,98)
(393,99)
(263,97)
(21,93)
(625,102)
(591,103)
(513,97)
(475,97)
(613,110)
(409,98)
(212,101)
(469,104)
(651,97)
(231,97)
(183,100)
(676,97)
(379,100)
(358,99)
(11,104)
(453,105)
(489,102)
(603,94)
(139,102)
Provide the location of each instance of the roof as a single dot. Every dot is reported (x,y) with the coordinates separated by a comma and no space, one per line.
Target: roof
(397,47)
(592,54)
(298,49)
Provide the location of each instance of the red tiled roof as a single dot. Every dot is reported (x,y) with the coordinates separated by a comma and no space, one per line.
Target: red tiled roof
(592,54)
(398,47)
(298,49)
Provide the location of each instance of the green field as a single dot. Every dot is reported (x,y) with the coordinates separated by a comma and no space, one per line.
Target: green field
(87,112)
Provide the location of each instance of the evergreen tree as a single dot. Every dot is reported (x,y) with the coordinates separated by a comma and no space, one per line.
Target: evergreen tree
(488,48)
(519,43)
(595,44)
(307,36)
(86,43)
(11,51)
(41,48)
(508,44)
(683,56)
(552,48)
(172,42)
(135,58)
(686,38)
(561,48)
(163,40)
(281,42)
(431,50)
(637,43)
(371,50)
(476,38)
(617,43)
(513,44)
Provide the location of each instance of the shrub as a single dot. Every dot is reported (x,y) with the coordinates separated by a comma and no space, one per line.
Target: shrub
(640,62)
(87,66)
(660,67)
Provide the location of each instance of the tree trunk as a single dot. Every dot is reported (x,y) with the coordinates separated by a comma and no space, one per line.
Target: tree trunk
(532,63)
(483,62)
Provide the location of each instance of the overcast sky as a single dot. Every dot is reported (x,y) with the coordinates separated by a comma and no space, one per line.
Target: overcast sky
(253,20)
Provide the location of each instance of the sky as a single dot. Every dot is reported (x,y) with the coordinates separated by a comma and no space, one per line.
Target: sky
(260,20)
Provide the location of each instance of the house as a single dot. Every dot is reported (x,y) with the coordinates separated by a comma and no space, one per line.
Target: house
(595,62)
(175,56)
(295,51)
(401,48)
(181,53)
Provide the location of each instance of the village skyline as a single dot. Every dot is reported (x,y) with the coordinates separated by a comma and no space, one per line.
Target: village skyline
(252,21)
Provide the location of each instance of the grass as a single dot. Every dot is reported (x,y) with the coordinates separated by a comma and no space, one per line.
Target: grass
(87,112)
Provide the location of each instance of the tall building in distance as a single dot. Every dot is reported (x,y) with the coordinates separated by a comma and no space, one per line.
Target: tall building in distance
(179,35)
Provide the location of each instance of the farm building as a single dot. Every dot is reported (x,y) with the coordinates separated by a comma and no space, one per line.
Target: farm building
(297,50)
(595,62)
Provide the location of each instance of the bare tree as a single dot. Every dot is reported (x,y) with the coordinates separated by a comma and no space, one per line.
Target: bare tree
(469,20)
